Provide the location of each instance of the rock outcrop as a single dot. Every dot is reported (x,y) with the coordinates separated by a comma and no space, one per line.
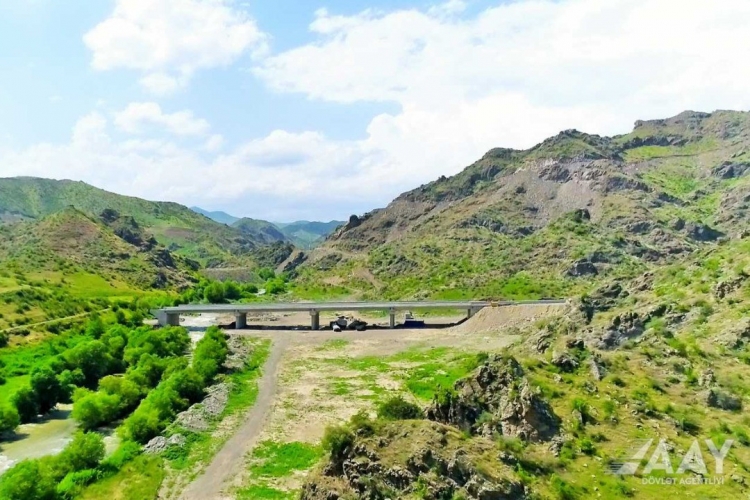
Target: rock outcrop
(497,398)
(417,456)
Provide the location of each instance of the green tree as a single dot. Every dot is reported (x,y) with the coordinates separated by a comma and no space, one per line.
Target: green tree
(28,480)
(93,409)
(9,418)
(232,291)
(84,452)
(25,403)
(95,326)
(214,293)
(46,387)
(266,273)
(93,360)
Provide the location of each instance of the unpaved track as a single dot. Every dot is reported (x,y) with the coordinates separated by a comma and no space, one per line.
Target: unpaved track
(228,461)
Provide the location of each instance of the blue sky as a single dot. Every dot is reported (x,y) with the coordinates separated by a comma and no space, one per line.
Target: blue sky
(280,111)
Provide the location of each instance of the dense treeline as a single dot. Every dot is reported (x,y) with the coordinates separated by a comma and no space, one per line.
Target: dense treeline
(139,374)
(220,292)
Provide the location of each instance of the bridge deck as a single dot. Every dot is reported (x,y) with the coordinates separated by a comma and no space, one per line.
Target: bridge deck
(170,315)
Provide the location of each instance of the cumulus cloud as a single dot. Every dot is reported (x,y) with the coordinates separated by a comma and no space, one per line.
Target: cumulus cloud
(518,72)
(138,117)
(510,75)
(282,176)
(169,40)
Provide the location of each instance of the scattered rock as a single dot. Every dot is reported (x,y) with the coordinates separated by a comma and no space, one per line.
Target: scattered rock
(160,444)
(722,400)
(582,268)
(597,368)
(575,344)
(724,288)
(623,327)
(707,378)
(731,170)
(565,362)
(701,232)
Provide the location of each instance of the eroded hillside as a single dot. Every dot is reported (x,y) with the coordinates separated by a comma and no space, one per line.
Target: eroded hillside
(549,221)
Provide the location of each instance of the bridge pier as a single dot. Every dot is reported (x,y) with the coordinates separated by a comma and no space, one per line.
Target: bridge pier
(315,320)
(392,322)
(240,321)
(173,319)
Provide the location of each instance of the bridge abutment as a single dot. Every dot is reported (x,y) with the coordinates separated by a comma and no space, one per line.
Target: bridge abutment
(173,319)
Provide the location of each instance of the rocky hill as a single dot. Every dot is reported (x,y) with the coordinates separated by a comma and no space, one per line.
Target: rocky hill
(555,219)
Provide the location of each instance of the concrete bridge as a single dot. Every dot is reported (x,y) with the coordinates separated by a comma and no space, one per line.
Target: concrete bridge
(171,315)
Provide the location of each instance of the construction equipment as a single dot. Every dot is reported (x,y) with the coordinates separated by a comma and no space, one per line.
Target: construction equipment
(410,322)
(344,323)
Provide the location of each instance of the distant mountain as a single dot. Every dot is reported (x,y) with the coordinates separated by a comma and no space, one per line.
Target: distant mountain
(218,216)
(303,234)
(259,230)
(174,226)
(308,234)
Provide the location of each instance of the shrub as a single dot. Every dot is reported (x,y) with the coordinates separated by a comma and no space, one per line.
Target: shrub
(232,291)
(397,408)
(73,483)
(9,418)
(266,273)
(214,293)
(337,440)
(362,424)
(124,454)
(28,480)
(85,451)
(4,339)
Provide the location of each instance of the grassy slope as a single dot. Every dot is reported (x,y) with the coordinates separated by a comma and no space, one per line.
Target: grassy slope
(173,225)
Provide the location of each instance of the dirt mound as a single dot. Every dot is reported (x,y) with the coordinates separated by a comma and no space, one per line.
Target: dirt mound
(492,319)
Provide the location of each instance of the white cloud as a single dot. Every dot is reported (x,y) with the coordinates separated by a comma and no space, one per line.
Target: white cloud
(510,76)
(169,40)
(214,143)
(521,71)
(139,116)
(281,176)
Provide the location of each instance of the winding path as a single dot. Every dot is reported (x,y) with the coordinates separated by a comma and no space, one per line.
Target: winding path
(227,462)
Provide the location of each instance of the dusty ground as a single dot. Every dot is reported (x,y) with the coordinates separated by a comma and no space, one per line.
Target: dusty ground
(314,379)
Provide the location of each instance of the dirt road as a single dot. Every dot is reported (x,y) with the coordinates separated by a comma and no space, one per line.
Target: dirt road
(487,330)
(229,459)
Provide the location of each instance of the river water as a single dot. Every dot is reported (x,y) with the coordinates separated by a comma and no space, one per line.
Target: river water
(48,436)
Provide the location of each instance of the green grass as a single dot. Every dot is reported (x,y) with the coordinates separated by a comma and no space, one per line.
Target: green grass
(263,492)
(10,387)
(272,462)
(137,480)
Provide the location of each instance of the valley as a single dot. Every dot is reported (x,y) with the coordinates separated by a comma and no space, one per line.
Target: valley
(644,238)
